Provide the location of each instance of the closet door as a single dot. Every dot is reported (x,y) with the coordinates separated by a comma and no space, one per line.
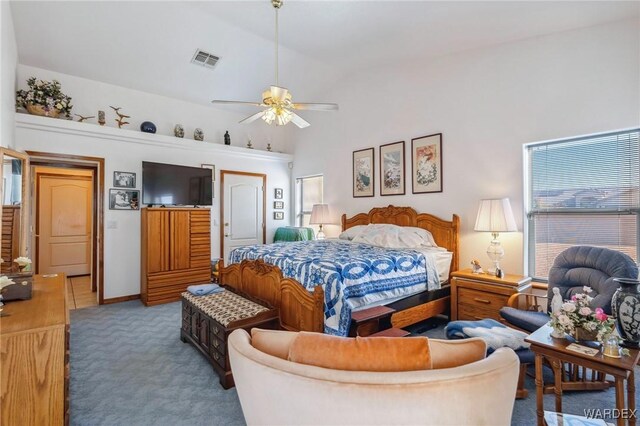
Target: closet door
(157,241)
(180,240)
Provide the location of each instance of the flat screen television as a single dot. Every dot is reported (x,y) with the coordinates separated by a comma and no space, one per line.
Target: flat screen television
(169,184)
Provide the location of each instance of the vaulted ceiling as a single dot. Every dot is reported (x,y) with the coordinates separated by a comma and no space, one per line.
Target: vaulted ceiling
(148,45)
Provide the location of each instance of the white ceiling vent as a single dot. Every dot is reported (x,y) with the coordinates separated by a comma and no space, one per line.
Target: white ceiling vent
(204,59)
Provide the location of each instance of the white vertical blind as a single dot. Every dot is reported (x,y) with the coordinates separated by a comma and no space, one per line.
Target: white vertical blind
(583,191)
(309,192)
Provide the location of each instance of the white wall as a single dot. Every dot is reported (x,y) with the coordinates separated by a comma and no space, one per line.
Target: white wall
(487,103)
(8,63)
(89,96)
(122,244)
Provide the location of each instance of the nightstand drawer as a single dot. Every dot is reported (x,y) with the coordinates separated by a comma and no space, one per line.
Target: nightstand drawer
(482,299)
(474,313)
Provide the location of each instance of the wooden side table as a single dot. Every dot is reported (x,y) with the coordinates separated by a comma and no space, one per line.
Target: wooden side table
(556,352)
(480,296)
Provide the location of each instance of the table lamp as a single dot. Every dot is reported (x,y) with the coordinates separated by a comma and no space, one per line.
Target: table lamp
(320,215)
(495,216)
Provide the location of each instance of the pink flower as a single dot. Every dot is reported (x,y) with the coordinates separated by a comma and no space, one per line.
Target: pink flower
(600,315)
(574,298)
(585,310)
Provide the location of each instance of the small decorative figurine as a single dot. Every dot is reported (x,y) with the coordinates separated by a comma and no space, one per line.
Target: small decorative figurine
(556,307)
(81,118)
(198,135)
(101,120)
(178,131)
(148,127)
(249,145)
(499,273)
(227,138)
(475,265)
(121,117)
(269,147)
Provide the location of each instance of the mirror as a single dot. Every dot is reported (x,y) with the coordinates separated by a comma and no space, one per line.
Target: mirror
(14,168)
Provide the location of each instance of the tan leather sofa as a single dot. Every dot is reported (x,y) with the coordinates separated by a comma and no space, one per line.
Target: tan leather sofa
(275,391)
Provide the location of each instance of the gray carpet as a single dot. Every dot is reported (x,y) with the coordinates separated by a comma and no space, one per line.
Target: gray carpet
(129,367)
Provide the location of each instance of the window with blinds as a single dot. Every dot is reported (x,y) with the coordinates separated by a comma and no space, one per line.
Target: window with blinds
(583,191)
(308,192)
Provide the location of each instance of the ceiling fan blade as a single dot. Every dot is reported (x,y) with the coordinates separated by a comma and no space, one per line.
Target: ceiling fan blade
(315,106)
(279,93)
(252,118)
(299,121)
(217,101)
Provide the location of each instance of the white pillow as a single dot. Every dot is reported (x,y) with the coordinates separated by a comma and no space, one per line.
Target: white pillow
(352,232)
(426,236)
(391,236)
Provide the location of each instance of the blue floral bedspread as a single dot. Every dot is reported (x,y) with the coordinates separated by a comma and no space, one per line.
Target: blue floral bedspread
(351,274)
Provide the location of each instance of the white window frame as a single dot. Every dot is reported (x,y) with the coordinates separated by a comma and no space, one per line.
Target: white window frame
(528,220)
(299,212)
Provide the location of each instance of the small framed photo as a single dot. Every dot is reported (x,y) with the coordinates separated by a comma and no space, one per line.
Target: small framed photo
(124,179)
(278,194)
(392,169)
(121,199)
(426,164)
(278,215)
(278,205)
(213,177)
(363,173)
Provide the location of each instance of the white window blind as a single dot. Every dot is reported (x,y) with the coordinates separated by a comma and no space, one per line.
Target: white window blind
(583,191)
(308,192)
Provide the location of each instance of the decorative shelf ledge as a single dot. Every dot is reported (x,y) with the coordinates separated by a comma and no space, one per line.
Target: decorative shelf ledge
(34,122)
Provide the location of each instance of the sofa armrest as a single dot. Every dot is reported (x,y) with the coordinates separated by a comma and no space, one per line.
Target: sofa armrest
(528,302)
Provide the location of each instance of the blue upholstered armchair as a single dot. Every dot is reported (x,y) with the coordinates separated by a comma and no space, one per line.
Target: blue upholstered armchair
(573,269)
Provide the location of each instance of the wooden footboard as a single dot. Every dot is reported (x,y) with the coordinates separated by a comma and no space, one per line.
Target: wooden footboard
(300,310)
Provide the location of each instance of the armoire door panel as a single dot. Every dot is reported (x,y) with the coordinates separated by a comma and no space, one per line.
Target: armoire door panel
(157,234)
(180,240)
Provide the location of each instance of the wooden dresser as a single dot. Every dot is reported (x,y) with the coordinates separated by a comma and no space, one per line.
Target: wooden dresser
(480,296)
(176,252)
(34,356)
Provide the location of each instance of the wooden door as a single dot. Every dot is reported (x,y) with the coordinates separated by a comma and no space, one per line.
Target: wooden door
(157,244)
(243,211)
(180,241)
(64,224)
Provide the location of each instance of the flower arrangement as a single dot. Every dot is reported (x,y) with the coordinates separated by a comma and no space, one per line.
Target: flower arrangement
(576,315)
(47,94)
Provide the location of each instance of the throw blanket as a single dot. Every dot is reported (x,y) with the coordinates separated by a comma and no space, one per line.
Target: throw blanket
(204,289)
(491,331)
(351,274)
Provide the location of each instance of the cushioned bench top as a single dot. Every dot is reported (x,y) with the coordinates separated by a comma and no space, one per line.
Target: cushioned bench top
(225,307)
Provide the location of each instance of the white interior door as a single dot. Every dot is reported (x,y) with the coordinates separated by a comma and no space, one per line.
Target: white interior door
(243,213)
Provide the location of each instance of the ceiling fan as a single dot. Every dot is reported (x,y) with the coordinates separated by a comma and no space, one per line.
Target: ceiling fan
(277,100)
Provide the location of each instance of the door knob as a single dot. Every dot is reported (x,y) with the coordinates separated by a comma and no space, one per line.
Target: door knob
(226,224)
(227,235)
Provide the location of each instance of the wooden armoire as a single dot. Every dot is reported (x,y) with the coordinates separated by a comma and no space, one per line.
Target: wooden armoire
(176,252)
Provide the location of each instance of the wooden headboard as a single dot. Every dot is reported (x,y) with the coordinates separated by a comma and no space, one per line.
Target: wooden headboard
(445,233)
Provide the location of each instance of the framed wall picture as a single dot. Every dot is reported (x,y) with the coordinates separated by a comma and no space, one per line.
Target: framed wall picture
(278,194)
(426,164)
(392,166)
(124,179)
(278,205)
(278,215)
(213,177)
(363,173)
(122,199)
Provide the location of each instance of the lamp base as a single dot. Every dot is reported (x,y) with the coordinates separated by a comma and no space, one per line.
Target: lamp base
(495,253)
(320,235)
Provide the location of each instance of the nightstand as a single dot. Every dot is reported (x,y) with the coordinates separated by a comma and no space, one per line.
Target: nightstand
(480,296)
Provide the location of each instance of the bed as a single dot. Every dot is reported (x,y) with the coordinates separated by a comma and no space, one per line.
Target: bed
(311,298)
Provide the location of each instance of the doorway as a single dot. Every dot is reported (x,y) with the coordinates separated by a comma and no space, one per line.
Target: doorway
(242,210)
(67,215)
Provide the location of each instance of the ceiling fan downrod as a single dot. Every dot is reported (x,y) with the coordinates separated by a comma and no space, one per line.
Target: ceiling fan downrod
(277,4)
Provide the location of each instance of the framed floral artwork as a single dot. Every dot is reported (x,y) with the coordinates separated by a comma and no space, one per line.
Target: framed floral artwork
(426,162)
(363,173)
(392,169)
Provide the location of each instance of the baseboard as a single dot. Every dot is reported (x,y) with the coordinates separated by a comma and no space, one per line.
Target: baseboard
(120,299)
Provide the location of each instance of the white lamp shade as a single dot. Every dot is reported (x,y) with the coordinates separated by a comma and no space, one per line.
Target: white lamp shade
(320,214)
(495,216)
